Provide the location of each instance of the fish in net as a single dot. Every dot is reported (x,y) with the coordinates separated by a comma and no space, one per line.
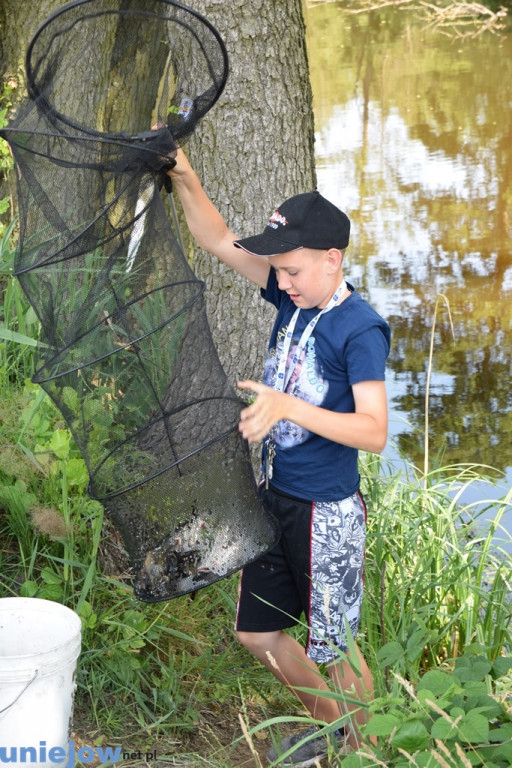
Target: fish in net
(125,349)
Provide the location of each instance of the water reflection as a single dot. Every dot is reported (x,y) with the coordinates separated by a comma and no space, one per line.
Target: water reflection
(414,141)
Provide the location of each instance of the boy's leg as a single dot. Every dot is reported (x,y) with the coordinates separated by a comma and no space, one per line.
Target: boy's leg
(357,685)
(287,660)
(329,587)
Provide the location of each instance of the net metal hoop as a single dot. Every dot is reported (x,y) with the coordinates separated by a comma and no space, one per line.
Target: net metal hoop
(38,376)
(218,438)
(36,94)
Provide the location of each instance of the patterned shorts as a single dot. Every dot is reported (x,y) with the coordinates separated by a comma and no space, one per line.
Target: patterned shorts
(316,569)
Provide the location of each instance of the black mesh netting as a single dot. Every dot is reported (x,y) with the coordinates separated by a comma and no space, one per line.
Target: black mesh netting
(125,350)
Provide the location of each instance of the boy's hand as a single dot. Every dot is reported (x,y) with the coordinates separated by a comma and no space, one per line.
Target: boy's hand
(267,409)
(181,165)
(174,159)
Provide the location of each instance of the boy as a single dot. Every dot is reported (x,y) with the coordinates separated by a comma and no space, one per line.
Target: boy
(322,399)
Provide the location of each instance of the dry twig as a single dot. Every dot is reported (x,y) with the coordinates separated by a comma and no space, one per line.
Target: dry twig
(464,19)
(459,18)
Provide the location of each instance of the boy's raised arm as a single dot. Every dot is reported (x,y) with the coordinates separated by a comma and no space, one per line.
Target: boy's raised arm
(209,228)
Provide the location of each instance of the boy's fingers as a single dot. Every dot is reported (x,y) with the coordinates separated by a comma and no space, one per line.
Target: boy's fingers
(249,384)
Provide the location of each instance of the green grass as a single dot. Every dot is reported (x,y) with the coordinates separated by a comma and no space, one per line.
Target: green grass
(19,326)
(437,575)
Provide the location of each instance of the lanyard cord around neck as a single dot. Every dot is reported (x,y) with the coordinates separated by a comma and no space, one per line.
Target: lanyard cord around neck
(283,375)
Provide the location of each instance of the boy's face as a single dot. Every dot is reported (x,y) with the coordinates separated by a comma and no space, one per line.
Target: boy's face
(308,276)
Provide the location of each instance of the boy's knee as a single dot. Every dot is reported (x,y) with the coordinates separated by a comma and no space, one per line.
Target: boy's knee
(247,639)
(256,642)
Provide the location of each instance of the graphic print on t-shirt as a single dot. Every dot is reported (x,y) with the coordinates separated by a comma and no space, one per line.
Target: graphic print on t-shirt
(306,382)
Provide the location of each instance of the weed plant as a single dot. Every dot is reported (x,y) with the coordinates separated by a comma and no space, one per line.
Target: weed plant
(436,626)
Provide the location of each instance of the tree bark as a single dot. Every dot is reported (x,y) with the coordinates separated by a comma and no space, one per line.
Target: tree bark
(253,150)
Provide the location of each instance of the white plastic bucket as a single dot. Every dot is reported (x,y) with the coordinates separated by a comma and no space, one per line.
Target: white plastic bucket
(39,647)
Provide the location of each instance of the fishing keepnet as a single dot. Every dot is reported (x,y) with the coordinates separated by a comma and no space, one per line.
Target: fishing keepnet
(125,349)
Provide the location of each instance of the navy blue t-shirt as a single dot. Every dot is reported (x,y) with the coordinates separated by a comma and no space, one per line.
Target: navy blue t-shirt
(349,344)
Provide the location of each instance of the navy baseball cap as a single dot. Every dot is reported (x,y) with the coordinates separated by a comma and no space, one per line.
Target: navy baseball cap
(307,220)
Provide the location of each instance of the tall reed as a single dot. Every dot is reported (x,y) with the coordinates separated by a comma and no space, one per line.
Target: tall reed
(436,572)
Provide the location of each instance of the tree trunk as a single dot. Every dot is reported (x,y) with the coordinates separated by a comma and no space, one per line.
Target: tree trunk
(253,150)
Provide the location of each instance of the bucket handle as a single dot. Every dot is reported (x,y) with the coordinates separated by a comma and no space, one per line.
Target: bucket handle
(20,694)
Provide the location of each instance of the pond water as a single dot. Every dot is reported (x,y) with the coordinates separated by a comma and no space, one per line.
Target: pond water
(414,142)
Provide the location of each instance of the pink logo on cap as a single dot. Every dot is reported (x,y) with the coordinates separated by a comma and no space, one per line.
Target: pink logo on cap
(277,219)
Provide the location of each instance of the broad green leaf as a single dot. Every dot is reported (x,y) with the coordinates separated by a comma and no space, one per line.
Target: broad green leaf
(76,472)
(102,419)
(416,644)
(50,577)
(425,759)
(505,751)
(87,615)
(135,619)
(496,755)
(489,707)
(430,700)
(475,688)
(52,592)
(59,443)
(481,668)
(471,758)
(29,589)
(474,728)
(382,725)
(501,666)
(91,406)
(472,669)
(389,654)
(70,398)
(501,734)
(426,695)
(443,729)
(436,681)
(411,735)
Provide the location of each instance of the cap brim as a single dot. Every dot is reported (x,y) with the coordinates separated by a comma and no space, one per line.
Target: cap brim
(263,245)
